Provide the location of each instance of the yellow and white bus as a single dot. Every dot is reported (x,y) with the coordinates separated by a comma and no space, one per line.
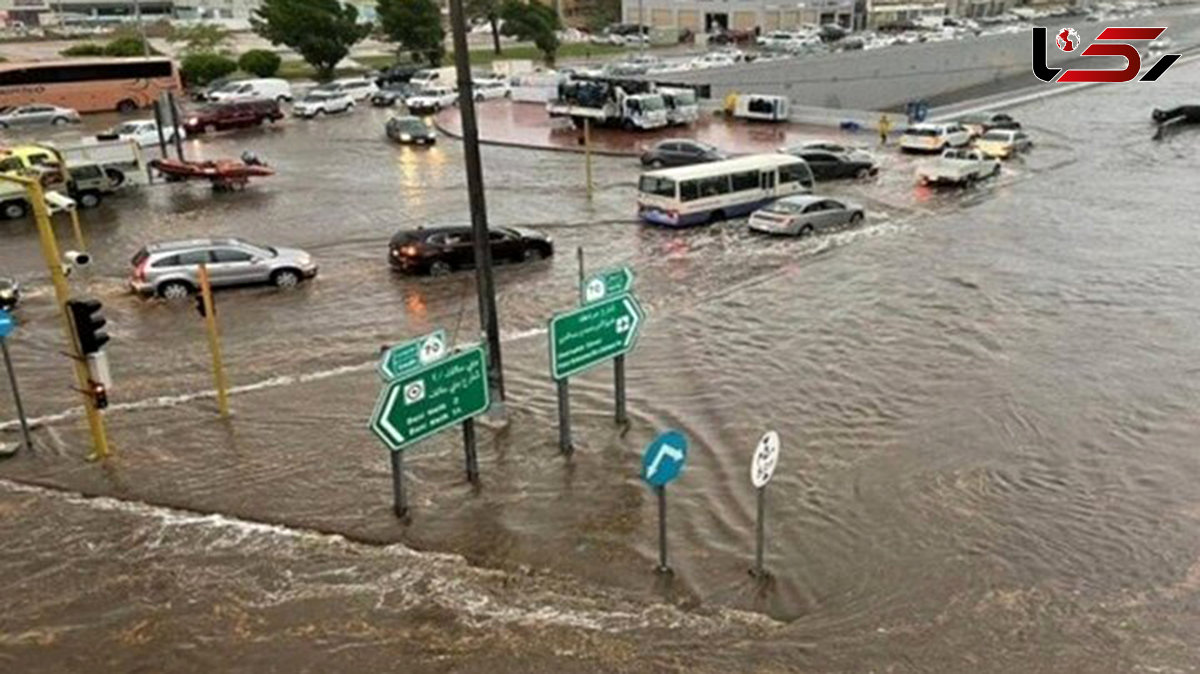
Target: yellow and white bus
(89,85)
(706,193)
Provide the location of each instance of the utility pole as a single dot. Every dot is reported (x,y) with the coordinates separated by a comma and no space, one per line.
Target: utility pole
(137,15)
(490,322)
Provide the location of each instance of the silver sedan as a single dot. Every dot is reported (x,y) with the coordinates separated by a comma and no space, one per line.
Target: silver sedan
(804,215)
(36,114)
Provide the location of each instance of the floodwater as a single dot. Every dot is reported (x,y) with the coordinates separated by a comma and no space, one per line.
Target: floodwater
(986,400)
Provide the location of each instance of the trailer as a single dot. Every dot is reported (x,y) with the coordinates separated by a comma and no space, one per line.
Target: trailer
(628,104)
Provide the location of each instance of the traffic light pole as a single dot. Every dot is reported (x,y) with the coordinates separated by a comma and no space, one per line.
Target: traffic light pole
(214,342)
(479,227)
(41,216)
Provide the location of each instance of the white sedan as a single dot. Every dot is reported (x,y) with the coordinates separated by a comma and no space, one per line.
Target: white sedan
(486,89)
(144,132)
(431,99)
(322,103)
(803,215)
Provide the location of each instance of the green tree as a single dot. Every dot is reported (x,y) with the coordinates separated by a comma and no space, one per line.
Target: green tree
(416,25)
(260,62)
(83,49)
(200,69)
(487,10)
(202,38)
(321,31)
(128,45)
(533,22)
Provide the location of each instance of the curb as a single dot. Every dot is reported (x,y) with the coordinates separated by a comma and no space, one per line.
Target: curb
(527,146)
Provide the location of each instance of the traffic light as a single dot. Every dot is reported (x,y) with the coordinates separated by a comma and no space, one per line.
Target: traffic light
(89,324)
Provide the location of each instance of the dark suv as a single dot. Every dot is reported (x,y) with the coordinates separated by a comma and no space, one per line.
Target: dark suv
(441,250)
(680,152)
(232,115)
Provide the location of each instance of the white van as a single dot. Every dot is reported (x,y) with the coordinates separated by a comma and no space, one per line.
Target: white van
(435,77)
(357,88)
(762,107)
(271,88)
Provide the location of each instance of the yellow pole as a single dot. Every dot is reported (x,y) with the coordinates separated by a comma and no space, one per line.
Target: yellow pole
(78,230)
(214,343)
(62,293)
(587,150)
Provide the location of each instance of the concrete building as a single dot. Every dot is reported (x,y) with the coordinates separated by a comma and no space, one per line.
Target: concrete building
(705,16)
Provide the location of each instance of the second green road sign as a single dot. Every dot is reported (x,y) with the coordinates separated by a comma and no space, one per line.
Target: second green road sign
(418,404)
(587,336)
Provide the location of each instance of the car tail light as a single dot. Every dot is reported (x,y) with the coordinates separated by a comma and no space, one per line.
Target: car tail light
(140,272)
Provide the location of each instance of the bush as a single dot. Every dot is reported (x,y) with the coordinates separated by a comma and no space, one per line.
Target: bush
(129,45)
(260,62)
(83,49)
(200,69)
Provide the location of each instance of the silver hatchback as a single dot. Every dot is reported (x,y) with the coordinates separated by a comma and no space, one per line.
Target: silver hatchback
(171,269)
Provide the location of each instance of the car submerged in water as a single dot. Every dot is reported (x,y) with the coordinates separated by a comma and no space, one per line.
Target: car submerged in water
(410,131)
(440,250)
(10,293)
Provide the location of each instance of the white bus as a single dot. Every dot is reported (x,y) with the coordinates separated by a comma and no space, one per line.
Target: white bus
(705,193)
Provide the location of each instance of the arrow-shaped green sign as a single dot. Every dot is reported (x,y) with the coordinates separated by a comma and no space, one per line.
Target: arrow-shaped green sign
(418,404)
(592,334)
(607,283)
(410,355)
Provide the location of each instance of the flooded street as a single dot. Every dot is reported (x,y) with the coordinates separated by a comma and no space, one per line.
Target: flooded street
(986,400)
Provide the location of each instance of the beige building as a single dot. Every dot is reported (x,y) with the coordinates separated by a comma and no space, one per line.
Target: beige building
(706,16)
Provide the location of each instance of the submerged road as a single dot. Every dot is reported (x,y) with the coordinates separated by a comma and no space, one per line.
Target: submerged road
(985,398)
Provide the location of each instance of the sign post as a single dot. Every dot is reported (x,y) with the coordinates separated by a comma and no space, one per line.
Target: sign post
(209,311)
(762,467)
(428,400)
(7,325)
(604,328)
(662,462)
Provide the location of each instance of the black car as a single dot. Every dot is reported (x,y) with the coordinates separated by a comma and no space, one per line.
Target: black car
(829,165)
(441,250)
(410,130)
(680,152)
(10,293)
(982,122)
(391,95)
(397,74)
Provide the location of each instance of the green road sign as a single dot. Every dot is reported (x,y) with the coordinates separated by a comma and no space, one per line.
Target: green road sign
(592,334)
(416,405)
(607,283)
(415,353)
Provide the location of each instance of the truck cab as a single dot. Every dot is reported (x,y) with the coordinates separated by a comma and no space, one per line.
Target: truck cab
(682,108)
(643,111)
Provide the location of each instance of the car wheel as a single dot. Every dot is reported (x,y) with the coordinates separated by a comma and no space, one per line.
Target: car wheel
(657,163)
(996,170)
(115,176)
(856,218)
(478,98)
(89,200)
(286,278)
(59,121)
(210,128)
(806,230)
(716,216)
(14,209)
(439,268)
(3,125)
(863,173)
(174,290)
(533,254)
(127,105)
(320,111)
(280,99)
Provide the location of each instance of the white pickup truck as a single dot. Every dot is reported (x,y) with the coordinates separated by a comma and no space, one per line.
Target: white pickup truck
(958,167)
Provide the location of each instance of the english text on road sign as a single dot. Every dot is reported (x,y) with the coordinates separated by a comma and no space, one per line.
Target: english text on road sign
(415,353)
(420,403)
(607,283)
(766,456)
(7,324)
(592,334)
(664,458)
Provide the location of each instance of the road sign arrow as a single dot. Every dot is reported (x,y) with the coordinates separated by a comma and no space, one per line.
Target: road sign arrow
(587,336)
(607,283)
(430,399)
(664,458)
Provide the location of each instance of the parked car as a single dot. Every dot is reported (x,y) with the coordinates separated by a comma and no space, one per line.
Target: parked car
(829,146)
(981,122)
(488,88)
(273,88)
(441,250)
(397,74)
(322,103)
(410,130)
(934,137)
(390,95)
(36,114)
(431,99)
(958,167)
(680,152)
(142,131)
(1003,143)
(10,293)
(170,269)
(357,88)
(233,115)
(90,182)
(803,215)
(831,165)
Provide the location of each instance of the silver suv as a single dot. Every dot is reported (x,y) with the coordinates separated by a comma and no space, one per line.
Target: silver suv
(171,269)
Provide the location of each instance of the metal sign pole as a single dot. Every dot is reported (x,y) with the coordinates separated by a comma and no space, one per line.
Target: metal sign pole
(587,151)
(758,571)
(12,379)
(662,529)
(579,255)
(469,448)
(401,500)
(158,123)
(564,417)
(214,343)
(175,125)
(619,386)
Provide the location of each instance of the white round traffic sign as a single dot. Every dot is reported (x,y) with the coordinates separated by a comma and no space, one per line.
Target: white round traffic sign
(766,456)
(432,349)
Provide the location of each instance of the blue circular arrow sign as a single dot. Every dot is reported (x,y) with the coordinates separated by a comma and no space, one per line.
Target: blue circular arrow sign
(7,324)
(664,458)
